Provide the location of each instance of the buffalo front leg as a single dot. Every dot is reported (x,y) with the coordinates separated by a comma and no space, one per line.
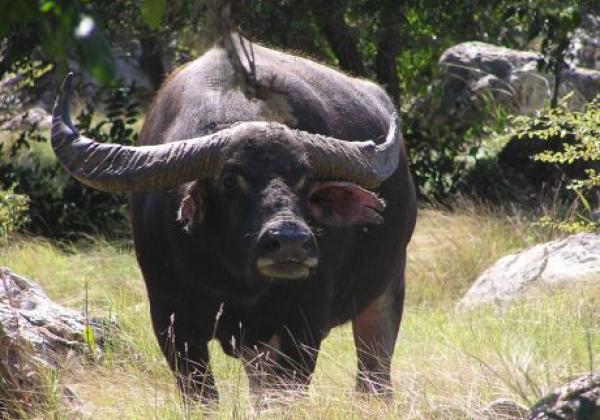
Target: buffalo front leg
(375,330)
(284,365)
(186,352)
(275,367)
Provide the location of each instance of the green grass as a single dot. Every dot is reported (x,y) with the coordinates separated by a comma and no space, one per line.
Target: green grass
(447,365)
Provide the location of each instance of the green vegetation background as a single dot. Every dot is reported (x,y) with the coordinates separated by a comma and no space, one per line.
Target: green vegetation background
(395,44)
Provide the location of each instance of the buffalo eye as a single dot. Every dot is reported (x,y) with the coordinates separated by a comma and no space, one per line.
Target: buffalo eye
(230,183)
(233,183)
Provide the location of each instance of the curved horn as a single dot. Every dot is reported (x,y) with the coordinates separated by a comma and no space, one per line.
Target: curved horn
(113,167)
(364,163)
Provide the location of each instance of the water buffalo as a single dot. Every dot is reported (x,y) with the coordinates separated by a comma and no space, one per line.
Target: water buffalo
(262,220)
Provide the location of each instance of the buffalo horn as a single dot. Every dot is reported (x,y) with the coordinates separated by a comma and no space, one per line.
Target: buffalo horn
(114,167)
(365,163)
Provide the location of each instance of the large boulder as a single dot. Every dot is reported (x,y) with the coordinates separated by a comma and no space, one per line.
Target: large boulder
(473,70)
(577,400)
(35,333)
(583,84)
(29,316)
(543,267)
(509,76)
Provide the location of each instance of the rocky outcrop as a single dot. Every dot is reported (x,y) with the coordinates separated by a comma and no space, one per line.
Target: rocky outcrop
(543,267)
(510,77)
(33,118)
(471,74)
(35,333)
(477,77)
(29,316)
(577,400)
(582,84)
(584,49)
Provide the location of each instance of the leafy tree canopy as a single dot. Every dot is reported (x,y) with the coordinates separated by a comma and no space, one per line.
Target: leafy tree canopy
(394,43)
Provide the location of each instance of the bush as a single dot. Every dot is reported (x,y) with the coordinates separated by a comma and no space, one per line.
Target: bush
(444,140)
(575,150)
(13,211)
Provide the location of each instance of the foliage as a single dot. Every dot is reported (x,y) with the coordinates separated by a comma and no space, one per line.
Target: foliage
(443,150)
(60,206)
(578,134)
(153,12)
(88,33)
(396,44)
(57,28)
(13,211)
(433,153)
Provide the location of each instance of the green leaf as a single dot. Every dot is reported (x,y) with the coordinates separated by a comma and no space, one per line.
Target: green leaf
(46,6)
(153,12)
(88,337)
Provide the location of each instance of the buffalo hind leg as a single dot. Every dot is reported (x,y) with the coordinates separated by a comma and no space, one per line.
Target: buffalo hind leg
(187,355)
(375,330)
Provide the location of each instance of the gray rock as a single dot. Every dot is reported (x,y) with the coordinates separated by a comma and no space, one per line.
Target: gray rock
(577,400)
(35,333)
(584,49)
(510,77)
(35,117)
(475,72)
(505,409)
(583,83)
(544,266)
(28,316)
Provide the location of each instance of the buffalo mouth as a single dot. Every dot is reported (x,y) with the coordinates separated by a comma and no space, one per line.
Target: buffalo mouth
(290,269)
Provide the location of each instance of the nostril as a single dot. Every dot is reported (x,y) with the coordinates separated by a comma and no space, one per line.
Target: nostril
(287,243)
(273,245)
(269,242)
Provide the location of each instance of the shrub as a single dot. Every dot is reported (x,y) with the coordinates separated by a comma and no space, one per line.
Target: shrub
(575,140)
(13,211)
(444,140)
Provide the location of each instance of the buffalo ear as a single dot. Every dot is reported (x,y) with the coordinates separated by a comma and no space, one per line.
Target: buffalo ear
(344,204)
(191,207)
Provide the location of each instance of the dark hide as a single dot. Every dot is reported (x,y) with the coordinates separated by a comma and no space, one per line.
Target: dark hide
(198,244)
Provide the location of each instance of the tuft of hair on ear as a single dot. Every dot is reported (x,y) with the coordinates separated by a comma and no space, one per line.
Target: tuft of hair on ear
(191,207)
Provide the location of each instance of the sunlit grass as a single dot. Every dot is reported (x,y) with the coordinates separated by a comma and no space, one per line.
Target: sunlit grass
(109,269)
(449,250)
(447,365)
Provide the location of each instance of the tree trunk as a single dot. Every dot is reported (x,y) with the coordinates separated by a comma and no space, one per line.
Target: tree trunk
(340,36)
(151,60)
(388,48)
(558,56)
